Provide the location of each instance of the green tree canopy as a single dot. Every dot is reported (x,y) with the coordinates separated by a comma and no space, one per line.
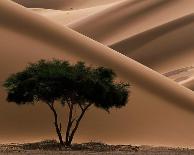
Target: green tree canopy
(74,85)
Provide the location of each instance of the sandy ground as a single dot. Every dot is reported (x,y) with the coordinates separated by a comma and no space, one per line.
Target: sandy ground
(103,149)
(148,152)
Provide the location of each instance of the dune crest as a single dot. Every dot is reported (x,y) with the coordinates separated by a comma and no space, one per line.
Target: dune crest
(65,17)
(131,17)
(157,47)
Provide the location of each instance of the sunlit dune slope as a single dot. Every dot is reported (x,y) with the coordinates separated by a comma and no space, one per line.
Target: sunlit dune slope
(68,16)
(163,48)
(131,17)
(62,4)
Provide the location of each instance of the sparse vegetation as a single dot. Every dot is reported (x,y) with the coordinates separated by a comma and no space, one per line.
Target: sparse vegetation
(76,86)
(51,147)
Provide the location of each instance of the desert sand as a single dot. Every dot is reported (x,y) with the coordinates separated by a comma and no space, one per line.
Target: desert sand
(66,17)
(156,102)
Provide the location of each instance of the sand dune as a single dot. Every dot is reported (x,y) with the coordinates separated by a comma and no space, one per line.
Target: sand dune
(163,48)
(68,16)
(33,37)
(62,4)
(138,46)
(69,40)
(141,18)
(131,17)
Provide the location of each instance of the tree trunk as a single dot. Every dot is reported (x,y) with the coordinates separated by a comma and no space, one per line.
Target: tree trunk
(75,128)
(57,128)
(70,136)
(69,124)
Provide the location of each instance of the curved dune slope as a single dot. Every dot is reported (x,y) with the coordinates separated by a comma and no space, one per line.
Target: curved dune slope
(143,15)
(69,40)
(131,17)
(162,48)
(62,4)
(68,16)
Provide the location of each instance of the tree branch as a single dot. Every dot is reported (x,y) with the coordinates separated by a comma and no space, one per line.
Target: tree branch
(77,123)
(81,107)
(70,121)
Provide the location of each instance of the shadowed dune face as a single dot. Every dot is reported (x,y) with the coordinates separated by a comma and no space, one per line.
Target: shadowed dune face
(131,17)
(149,118)
(158,47)
(109,25)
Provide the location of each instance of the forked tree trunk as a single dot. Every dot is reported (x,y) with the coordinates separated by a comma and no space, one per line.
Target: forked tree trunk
(57,127)
(69,124)
(70,135)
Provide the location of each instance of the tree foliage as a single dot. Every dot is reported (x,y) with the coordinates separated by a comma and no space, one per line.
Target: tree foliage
(76,86)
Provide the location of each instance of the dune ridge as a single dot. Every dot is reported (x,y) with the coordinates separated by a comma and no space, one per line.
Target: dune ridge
(28,23)
(131,17)
(68,16)
(134,18)
(144,47)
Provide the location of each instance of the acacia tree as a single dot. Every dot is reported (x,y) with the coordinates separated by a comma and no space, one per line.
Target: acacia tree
(75,86)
